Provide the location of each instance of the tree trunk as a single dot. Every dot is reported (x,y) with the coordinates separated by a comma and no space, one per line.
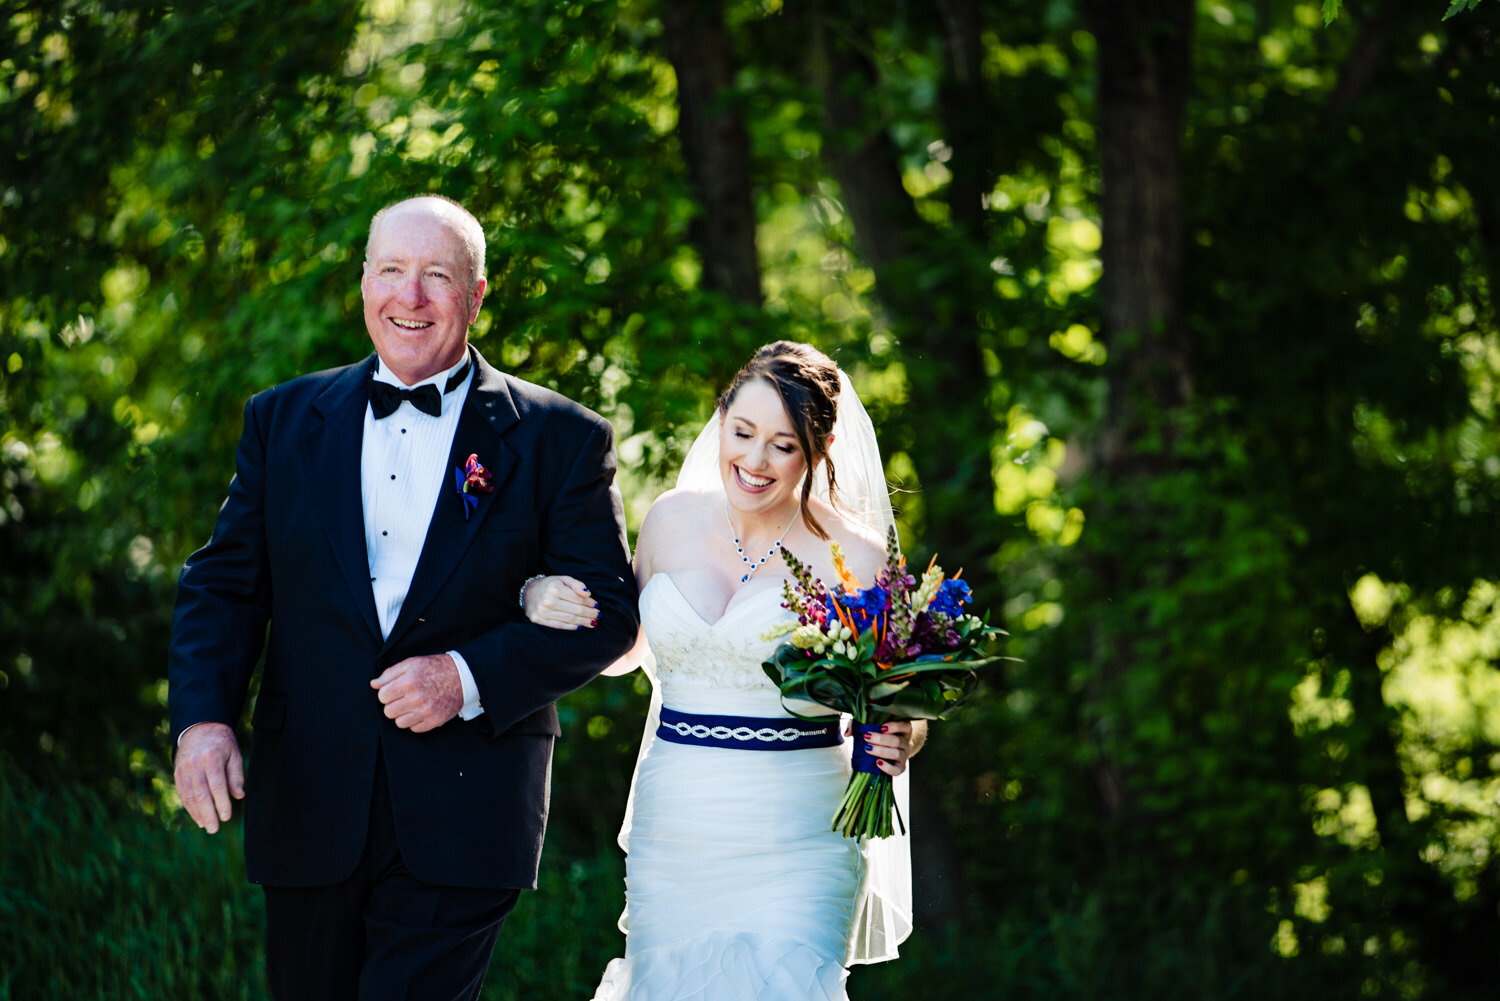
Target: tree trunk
(715,146)
(1143,83)
(969,131)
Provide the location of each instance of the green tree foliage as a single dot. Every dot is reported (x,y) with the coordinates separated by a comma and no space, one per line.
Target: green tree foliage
(1251,745)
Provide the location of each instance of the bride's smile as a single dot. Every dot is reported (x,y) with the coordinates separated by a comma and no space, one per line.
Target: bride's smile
(755,484)
(761,460)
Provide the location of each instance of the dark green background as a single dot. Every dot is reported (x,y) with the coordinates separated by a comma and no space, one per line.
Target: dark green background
(1236,500)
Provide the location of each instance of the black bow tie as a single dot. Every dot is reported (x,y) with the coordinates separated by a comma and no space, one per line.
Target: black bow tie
(385,398)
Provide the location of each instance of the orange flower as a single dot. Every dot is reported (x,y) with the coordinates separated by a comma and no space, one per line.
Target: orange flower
(846,618)
(848,580)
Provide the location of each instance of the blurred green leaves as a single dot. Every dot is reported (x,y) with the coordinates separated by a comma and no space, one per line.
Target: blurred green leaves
(1307,601)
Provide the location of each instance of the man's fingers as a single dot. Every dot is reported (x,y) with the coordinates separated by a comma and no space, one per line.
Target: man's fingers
(218,787)
(407,710)
(390,675)
(209,773)
(236,769)
(192,793)
(205,811)
(419,690)
(416,720)
(396,687)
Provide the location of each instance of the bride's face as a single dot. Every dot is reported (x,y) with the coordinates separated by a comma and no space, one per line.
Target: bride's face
(760,461)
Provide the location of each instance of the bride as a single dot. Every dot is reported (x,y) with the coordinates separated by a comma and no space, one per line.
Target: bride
(735,886)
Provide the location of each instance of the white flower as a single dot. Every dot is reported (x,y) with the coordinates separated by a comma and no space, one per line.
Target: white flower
(809,637)
(928,589)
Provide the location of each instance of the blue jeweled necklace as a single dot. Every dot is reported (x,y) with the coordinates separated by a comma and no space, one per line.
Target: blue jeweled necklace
(741,549)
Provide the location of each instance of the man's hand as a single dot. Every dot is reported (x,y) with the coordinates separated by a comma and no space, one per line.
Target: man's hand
(421,693)
(209,771)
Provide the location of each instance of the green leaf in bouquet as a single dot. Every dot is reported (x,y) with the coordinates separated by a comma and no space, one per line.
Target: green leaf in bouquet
(832,683)
(929,697)
(885,690)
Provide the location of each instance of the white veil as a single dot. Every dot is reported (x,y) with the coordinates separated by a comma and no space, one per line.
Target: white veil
(883,910)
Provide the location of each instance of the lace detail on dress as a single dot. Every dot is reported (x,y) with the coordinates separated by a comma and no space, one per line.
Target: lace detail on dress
(690,650)
(704,660)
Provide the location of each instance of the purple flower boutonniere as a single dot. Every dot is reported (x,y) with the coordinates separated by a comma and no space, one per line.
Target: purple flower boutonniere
(471,480)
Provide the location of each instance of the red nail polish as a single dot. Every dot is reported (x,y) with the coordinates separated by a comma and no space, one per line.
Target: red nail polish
(884,728)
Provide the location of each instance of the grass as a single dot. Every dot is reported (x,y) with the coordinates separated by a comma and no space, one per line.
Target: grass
(98,900)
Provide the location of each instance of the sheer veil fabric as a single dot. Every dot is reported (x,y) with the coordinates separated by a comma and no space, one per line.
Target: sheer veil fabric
(883,910)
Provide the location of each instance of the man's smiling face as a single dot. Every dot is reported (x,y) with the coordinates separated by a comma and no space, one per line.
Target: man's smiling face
(419,290)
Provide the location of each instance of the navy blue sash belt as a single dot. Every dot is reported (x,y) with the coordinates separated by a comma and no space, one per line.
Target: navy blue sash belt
(748,733)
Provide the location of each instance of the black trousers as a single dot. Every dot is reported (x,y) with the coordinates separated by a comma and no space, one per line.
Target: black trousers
(382,934)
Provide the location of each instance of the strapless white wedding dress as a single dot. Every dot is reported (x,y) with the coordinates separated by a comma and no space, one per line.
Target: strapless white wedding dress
(736,889)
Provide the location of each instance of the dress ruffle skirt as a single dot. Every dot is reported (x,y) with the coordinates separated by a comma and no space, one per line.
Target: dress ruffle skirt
(735,888)
(726,965)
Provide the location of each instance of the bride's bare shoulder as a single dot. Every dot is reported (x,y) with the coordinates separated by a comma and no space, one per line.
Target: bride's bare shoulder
(674,516)
(682,503)
(863,548)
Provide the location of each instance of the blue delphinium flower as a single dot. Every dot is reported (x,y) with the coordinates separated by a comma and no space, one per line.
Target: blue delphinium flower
(952,595)
(865,606)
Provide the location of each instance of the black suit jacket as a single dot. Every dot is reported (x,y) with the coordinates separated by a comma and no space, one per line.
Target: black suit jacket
(288,552)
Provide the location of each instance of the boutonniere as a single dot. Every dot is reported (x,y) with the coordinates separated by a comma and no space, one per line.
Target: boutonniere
(470,480)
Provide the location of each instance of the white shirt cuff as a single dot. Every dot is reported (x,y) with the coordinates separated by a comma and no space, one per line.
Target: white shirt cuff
(185,730)
(471,707)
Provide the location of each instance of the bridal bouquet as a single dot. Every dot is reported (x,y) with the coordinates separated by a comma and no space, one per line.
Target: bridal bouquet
(900,649)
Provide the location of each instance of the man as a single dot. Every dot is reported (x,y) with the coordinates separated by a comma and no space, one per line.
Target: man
(382,519)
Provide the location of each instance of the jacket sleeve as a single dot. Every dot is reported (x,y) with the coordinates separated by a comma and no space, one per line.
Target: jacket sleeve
(223,599)
(521,667)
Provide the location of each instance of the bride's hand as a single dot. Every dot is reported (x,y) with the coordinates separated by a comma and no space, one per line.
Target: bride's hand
(560,602)
(895,743)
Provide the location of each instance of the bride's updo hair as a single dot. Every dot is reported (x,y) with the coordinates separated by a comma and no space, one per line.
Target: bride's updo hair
(807,381)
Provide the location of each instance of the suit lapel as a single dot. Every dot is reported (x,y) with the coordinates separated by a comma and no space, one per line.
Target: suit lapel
(487,413)
(331,461)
